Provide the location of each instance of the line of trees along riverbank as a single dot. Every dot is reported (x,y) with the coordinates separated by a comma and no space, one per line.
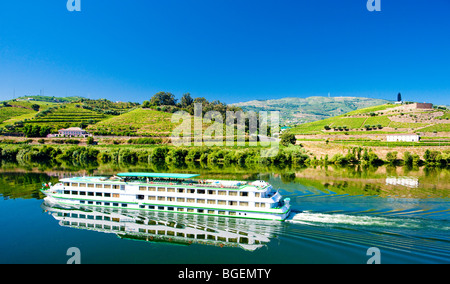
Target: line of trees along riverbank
(178,156)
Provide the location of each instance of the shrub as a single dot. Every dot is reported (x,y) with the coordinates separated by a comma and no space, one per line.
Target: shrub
(104,157)
(408,158)
(281,159)
(432,157)
(288,139)
(193,154)
(127,156)
(176,156)
(339,159)
(299,158)
(90,140)
(158,155)
(391,158)
(72,141)
(148,141)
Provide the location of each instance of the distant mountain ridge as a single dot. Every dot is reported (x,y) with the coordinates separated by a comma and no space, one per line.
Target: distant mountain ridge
(50,99)
(301,110)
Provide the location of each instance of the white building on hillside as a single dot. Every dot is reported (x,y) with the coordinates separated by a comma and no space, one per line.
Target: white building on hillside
(71,132)
(403,138)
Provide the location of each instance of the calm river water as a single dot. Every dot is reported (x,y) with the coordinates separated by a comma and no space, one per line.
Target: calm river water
(339,216)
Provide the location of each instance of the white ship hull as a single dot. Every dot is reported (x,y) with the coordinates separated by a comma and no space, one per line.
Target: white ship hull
(255,201)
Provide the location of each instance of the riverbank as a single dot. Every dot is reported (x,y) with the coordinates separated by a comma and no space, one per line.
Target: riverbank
(154,151)
(320,147)
(317,146)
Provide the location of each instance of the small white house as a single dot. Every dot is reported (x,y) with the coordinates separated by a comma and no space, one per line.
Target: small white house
(403,138)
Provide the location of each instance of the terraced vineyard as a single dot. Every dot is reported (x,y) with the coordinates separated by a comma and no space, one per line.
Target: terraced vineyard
(103,117)
(99,117)
(386,118)
(67,115)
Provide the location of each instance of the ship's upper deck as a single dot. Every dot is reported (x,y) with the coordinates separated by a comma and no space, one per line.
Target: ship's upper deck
(168,179)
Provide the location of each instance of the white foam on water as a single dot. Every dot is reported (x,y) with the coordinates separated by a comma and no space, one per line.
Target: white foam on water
(344,219)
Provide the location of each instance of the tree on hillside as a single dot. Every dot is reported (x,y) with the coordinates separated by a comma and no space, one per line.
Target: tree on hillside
(163,99)
(186,100)
(36,130)
(35,107)
(201,100)
(217,106)
(205,103)
(399,97)
(146,104)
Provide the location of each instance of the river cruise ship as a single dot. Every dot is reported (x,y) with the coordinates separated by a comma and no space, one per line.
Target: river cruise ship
(181,193)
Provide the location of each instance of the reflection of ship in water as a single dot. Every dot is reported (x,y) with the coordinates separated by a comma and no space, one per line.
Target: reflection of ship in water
(404,181)
(167,227)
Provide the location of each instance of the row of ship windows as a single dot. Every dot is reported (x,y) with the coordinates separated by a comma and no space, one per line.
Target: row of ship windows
(164,189)
(170,199)
(166,208)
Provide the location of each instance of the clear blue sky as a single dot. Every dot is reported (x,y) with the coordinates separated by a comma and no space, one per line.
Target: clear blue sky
(231,50)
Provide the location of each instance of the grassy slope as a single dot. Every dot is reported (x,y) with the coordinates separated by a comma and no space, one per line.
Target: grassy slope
(58,114)
(294,110)
(139,121)
(20,110)
(7,113)
(357,120)
(156,123)
(61,115)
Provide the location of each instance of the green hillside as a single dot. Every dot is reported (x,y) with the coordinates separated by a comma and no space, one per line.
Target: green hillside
(7,113)
(66,115)
(16,111)
(99,117)
(303,110)
(51,99)
(380,119)
(103,117)
(136,122)
(56,113)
